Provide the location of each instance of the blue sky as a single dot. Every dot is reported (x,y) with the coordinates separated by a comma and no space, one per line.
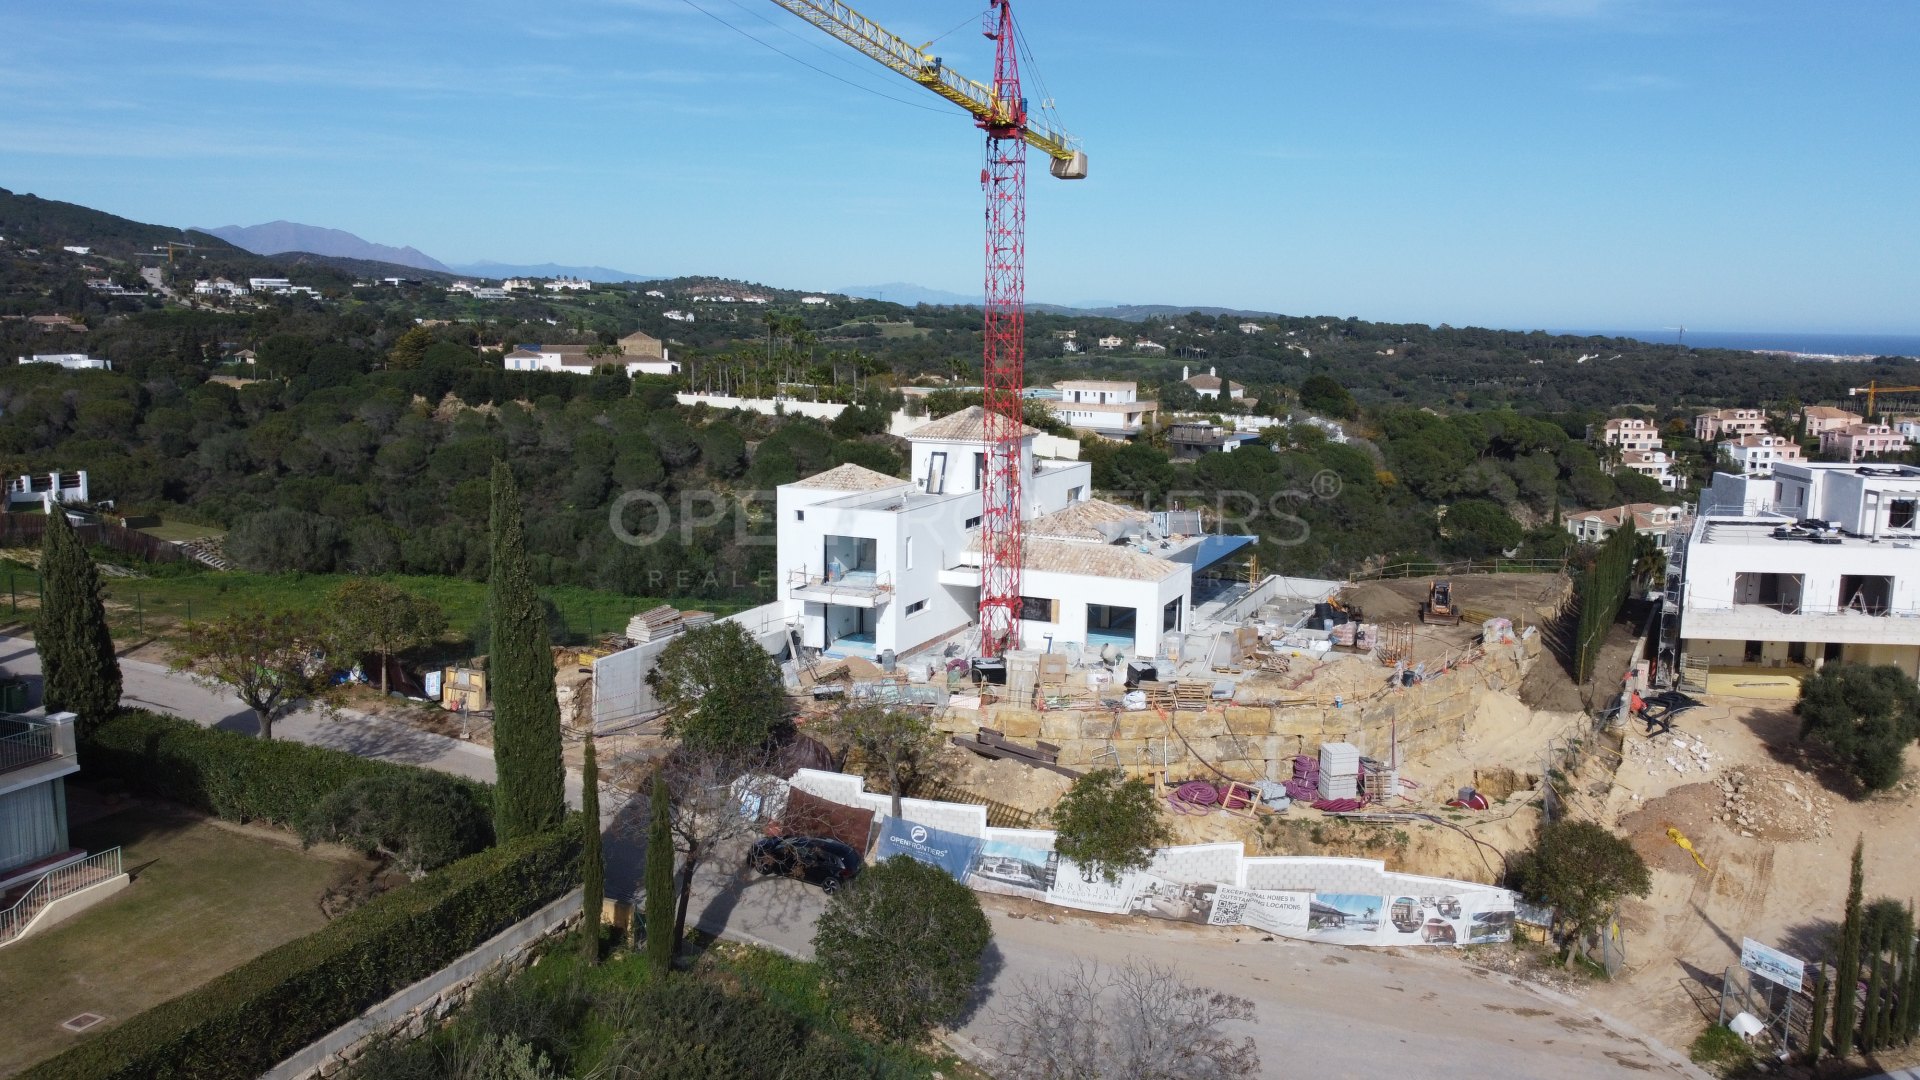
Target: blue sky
(1528,163)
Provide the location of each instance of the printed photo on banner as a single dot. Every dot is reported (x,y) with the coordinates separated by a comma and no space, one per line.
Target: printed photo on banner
(1012,870)
(1345,918)
(1159,898)
(1772,964)
(1423,920)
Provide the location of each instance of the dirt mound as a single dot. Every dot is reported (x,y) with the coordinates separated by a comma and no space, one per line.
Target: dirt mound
(1773,804)
(1379,603)
(1691,808)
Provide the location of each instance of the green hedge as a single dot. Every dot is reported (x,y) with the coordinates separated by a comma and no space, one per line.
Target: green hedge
(251,1018)
(227,774)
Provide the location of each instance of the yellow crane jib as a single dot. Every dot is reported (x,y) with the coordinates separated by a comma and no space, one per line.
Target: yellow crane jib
(977,98)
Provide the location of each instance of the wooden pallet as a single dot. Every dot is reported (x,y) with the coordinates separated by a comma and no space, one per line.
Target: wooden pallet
(1192,694)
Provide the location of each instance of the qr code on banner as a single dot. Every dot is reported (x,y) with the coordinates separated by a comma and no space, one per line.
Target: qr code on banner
(1228,906)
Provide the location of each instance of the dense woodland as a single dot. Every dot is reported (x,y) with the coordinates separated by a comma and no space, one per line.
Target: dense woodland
(359,434)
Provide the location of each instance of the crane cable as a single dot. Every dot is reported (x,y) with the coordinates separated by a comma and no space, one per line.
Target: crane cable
(812,67)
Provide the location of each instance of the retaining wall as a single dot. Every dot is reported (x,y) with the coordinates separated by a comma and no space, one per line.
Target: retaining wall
(412,1011)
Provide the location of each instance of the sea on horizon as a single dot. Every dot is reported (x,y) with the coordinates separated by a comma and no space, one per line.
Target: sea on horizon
(1788,341)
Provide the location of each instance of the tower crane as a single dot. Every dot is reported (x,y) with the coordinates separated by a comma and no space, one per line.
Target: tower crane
(1000,110)
(1873,388)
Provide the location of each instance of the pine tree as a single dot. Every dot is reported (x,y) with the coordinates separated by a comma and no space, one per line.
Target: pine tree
(1817,1027)
(593,864)
(659,879)
(1846,974)
(529,795)
(82,674)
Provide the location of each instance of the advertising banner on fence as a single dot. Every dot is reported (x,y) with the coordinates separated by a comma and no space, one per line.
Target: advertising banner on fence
(1283,913)
(1012,870)
(1772,964)
(1365,919)
(951,852)
(1071,888)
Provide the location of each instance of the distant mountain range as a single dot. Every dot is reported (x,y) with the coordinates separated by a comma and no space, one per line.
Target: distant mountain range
(276,237)
(547,270)
(908,294)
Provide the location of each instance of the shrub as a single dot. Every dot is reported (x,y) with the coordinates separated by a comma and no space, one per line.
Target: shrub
(1109,824)
(233,776)
(901,946)
(420,821)
(1720,1048)
(242,1023)
(693,1030)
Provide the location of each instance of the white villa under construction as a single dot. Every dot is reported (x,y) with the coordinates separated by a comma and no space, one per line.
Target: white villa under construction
(878,566)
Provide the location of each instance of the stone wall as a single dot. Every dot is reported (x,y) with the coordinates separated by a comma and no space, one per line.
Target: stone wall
(414,1010)
(1250,742)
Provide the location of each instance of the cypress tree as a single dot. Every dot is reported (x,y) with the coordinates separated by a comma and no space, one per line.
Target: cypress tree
(529,795)
(1817,1026)
(1870,1022)
(593,865)
(1846,973)
(659,879)
(1910,998)
(82,674)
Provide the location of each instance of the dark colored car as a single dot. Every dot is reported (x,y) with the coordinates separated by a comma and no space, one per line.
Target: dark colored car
(815,860)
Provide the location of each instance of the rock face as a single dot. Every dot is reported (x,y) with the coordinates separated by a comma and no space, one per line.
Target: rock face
(1252,741)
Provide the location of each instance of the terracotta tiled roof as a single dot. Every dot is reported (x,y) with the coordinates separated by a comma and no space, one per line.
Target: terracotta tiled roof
(967,425)
(850,477)
(1828,412)
(1212,382)
(1080,521)
(1089,560)
(1614,515)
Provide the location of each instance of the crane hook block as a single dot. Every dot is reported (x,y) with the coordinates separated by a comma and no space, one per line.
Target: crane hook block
(1074,168)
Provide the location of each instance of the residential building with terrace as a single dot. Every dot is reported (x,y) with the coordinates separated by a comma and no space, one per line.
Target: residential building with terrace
(1649,519)
(1816,420)
(1758,454)
(1627,433)
(1729,424)
(71,361)
(1862,440)
(1108,408)
(1654,464)
(1825,566)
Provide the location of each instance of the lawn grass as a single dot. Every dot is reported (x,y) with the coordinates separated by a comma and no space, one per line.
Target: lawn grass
(204,900)
(161,607)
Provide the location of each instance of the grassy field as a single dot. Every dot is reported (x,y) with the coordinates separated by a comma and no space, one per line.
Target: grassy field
(161,607)
(204,900)
(181,530)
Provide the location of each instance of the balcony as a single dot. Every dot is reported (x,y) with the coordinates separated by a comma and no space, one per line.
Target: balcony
(1810,623)
(851,588)
(35,749)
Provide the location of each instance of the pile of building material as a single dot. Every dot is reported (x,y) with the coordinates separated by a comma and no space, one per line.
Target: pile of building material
(656,624)
(1339,771)
(694,620)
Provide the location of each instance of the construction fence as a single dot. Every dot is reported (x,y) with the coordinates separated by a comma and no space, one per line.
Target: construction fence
(1335,900)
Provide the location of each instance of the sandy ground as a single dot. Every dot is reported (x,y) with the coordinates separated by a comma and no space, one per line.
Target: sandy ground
(1776,839)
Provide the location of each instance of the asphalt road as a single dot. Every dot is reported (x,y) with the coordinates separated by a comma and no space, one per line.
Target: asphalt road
(1321,1011)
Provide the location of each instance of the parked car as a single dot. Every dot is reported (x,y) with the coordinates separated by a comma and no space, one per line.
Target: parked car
(815,860)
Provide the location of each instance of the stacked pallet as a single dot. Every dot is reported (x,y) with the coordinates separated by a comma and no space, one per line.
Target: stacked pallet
(694,620)
(1339,771)
(656,624)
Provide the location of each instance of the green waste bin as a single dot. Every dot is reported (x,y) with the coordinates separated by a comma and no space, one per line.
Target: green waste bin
(13,695)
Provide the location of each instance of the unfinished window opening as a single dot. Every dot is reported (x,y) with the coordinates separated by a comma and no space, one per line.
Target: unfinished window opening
(1039,609)
(1781,592)
(1866,594)
(1170,616)
(937,472)
(1900,513)
(851,559)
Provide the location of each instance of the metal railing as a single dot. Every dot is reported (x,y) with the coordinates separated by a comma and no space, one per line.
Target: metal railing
(30,745)
(1421,568)
(54,884)
(853,582)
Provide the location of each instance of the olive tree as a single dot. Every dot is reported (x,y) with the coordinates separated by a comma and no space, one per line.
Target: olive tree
(897,743)
(269,660)
(718,689)
(1582,870)
(1109,824)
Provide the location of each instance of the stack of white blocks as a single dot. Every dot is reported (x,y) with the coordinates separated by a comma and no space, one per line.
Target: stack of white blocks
(1339,771)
